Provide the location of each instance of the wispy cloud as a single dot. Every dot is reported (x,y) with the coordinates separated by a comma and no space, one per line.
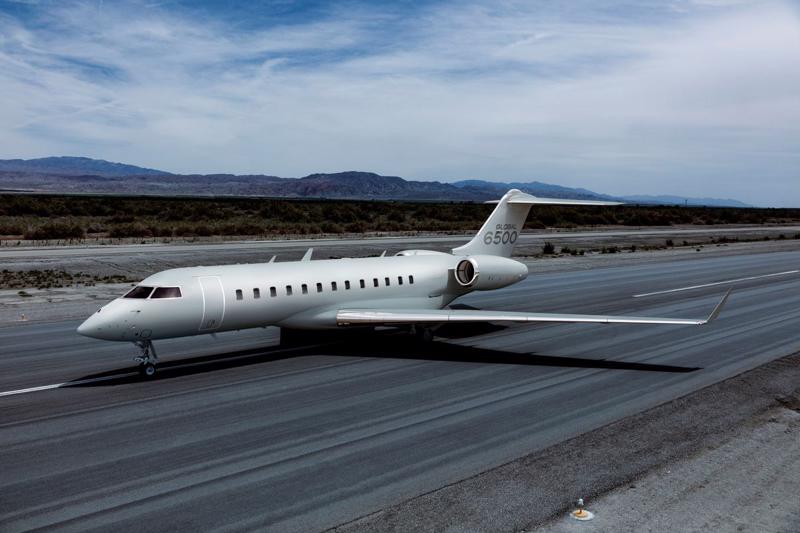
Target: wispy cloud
(699,98)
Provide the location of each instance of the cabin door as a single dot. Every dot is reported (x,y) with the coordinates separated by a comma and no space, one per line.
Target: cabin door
(213,303)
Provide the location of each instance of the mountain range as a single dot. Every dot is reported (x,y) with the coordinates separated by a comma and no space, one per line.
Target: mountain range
(96,176)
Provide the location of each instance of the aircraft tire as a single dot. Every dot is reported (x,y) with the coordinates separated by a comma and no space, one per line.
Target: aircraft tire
(147,370)
(423,333)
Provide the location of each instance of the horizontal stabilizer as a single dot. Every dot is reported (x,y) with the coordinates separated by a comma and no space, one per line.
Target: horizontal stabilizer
(520,197)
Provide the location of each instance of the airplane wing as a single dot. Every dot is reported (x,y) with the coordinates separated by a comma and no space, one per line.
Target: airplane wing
(352,317)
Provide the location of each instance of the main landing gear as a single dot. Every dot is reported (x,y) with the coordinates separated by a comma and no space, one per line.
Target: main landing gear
(422,333)
(148,360)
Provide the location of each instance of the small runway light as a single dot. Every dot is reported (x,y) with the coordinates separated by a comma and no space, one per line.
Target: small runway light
(580,513)
(22,317)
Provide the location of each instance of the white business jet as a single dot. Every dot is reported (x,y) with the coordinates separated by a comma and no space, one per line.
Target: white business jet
(412,288)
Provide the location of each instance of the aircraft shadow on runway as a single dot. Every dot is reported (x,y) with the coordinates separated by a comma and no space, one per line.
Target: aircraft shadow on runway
(391,346)
(441,351)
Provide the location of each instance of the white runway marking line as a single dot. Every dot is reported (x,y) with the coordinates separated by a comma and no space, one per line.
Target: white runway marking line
(116,376)
(718,283)
(65,384)
(32,389)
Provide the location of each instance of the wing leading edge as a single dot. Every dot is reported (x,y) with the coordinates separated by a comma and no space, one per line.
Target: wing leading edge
(352,317)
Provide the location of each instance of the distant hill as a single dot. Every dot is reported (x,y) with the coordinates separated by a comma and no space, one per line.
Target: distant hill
(73,166)
(536,188)
(84,175)
(682,200)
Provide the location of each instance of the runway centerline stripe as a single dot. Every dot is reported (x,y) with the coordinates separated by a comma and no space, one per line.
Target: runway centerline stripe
(786,273)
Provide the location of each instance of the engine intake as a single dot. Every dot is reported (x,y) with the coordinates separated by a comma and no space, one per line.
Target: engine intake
(467,272)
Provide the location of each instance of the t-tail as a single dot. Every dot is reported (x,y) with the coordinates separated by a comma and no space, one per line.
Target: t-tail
(502,229)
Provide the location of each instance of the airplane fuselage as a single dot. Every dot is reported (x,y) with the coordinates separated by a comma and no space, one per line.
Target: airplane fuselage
(299,295)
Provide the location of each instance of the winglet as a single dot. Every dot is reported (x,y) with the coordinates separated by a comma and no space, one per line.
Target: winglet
(718,309)
(307,257)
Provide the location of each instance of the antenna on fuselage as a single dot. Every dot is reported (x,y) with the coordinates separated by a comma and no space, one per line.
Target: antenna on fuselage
(307,257)
(273,259)
(383,254)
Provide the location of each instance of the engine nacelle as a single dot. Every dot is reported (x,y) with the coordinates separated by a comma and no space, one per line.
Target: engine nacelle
(486,272)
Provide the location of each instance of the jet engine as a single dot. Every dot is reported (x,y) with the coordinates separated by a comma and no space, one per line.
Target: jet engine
(486,272)
(467,272)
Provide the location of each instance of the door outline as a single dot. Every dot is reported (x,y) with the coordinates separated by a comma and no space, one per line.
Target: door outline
(208,284)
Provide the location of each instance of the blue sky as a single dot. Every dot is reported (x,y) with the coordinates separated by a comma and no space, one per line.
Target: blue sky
(694,98)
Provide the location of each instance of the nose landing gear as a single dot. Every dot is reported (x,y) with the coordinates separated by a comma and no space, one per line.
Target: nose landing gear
(148,360)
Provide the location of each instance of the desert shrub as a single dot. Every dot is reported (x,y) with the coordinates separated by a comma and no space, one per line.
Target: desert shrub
(130,230)
(161,217)
(330,227)
(55,230)
(11,228)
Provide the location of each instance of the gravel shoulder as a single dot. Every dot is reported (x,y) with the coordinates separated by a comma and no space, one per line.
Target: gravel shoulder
(749,483)
(721,459)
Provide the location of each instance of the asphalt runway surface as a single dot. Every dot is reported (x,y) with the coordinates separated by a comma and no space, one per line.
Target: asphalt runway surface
(240,434)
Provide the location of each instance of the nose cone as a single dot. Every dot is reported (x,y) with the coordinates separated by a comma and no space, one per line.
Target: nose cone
(99,326)
(90,327)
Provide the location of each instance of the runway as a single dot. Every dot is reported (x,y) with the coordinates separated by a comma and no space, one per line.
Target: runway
(239,434)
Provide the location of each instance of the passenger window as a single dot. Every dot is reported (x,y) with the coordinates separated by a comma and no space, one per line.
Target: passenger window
(361,281)
(347,284)
(319,287)
(139,292)
(399,280)
(386,280)
(288,290)
(256,294)
(166,292)
(333,285)
(304,288)
(239,295)
(411,279)
(273,292)
(375,282)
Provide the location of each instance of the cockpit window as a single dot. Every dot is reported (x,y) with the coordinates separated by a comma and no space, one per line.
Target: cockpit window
(140,291)
(166,292)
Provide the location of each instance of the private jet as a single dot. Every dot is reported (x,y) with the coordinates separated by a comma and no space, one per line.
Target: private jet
(412,289)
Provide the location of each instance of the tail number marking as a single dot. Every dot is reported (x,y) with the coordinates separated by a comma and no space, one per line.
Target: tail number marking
(500,237)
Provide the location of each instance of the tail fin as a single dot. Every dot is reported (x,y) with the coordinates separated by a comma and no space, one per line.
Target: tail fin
(501,230)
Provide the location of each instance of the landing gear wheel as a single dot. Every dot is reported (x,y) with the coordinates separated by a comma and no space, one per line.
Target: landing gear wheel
(423,334)
(147,370)
(148,360)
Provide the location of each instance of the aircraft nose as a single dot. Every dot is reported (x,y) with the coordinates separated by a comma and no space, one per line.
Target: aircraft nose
(89,327)
(96,327)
